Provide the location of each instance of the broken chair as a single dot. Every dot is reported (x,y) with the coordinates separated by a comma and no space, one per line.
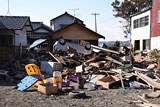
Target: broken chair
(33,69)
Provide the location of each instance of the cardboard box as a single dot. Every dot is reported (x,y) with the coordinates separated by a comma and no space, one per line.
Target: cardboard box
(47,89)
(106,82)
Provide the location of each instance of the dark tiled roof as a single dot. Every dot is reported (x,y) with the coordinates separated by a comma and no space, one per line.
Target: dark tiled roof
(67,15)
(37,25)
(13,22)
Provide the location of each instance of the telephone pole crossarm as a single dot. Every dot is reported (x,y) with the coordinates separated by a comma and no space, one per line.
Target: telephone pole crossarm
(95,14)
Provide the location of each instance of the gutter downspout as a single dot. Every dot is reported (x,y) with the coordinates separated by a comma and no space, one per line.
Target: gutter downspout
(150,29)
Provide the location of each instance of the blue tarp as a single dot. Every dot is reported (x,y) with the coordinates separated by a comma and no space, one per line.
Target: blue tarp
(35,43)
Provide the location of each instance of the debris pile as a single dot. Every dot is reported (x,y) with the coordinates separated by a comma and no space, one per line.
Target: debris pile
(102,68)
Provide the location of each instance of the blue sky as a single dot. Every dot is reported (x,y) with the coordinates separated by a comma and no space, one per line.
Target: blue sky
(45,10)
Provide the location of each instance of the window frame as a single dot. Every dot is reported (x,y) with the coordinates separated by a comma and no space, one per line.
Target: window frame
(158,16)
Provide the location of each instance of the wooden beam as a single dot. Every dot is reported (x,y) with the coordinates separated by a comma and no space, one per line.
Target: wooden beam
(149,81)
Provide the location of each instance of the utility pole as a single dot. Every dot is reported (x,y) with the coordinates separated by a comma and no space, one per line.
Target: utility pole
(8,12)
(95,14)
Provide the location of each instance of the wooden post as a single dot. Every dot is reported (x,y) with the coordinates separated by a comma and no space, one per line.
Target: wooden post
(120,73)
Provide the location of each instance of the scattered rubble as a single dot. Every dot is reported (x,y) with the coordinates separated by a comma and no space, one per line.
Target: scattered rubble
(98,66)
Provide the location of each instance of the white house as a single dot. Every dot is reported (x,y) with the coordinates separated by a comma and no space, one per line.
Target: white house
(141,30)
(64,20)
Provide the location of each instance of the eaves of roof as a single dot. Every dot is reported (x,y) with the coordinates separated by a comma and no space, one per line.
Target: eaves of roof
(65,14)
(99,36)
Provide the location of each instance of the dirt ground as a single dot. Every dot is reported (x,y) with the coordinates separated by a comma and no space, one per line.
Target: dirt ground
(10,97)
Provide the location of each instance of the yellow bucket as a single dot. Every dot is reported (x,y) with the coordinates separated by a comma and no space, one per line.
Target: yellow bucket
(57,79)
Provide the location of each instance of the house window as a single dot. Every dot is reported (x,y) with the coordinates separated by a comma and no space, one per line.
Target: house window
(159,16)
(141,22)
(137,44)
(135,23)
(146,20)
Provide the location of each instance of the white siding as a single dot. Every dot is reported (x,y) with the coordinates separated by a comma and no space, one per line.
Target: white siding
(20,38)
(140,33)
(62,20)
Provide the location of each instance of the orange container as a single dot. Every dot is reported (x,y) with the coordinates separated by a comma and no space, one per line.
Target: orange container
(57,79)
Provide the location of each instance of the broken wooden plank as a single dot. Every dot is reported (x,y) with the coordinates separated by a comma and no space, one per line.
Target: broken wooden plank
(54,57)
(140,69)
(94,78)
(153,94)
(120,74)
(148,105)
(107,50)
(98,65)
(106,71)
(95,59)
(149,81)
(113,60)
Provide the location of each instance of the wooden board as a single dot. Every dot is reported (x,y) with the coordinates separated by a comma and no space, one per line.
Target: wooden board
(149,81)
(148,105)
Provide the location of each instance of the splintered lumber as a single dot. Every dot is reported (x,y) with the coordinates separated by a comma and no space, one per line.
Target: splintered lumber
(149,81)
(148,105)
(98,65)
(107,58)
(120,73)
(54,57)
(153,94)
(107,72)
(140,69)
(58,59)
(95,78)
(113,60)
(95,59)
(102,49)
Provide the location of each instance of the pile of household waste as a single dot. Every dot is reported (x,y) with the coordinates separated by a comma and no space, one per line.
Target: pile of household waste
(83,64)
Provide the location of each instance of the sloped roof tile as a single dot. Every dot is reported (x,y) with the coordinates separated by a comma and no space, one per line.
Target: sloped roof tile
(13,22)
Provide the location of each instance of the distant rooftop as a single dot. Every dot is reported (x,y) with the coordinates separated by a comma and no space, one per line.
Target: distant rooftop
(13,22)
(36,25)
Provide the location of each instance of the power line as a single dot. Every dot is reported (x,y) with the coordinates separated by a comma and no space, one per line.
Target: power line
(95,14)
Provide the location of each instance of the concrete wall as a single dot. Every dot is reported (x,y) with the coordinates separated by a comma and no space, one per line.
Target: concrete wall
(140,33)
